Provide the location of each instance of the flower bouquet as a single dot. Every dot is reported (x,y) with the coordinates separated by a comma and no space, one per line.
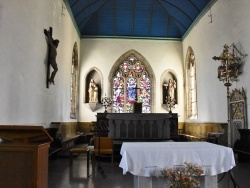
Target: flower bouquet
(184,176)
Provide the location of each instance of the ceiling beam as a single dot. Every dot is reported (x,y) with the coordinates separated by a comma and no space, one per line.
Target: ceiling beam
(96,13)
(178,9)
(150,19)
(133,18)
(194,5)
(84,8)
(115,17)
(74,3)
(166,33)
(171,18)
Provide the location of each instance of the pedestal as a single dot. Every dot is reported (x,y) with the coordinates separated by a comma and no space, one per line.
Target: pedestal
(150,182)
(94,106)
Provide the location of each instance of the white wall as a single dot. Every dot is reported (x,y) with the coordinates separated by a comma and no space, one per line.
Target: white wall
(103,53)
(24,98)
(230,24)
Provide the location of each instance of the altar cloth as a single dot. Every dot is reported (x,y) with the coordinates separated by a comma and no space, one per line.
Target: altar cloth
(148,158)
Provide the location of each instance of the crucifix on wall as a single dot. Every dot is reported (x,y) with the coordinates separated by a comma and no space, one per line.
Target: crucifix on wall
(53,44)
(137,105)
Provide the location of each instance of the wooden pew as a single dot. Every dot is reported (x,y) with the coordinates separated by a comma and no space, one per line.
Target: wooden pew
(56,144)
(60,143)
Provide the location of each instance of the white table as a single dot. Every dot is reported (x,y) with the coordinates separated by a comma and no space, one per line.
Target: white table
(146,159)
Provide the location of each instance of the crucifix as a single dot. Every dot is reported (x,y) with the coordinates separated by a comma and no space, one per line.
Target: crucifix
(137,105)
(130,93)
(136,88)
(53,44)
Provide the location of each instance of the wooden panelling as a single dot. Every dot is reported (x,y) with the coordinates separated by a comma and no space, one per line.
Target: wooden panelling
(24,165)
(201,129)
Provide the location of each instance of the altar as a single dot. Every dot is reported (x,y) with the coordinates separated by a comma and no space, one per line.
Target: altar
(142,126)
(145,159)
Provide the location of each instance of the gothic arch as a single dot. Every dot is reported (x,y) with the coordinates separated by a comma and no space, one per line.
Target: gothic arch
(142,59)
(93,73)
(166,75)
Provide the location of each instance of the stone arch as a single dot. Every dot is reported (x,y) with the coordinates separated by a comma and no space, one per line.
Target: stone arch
(96,74)
(166,75)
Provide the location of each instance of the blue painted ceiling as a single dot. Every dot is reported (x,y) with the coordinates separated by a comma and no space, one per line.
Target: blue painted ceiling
(136,18)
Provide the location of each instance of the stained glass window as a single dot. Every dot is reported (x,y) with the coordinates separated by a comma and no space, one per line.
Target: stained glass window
(74,86)
(131,84)
(192,112)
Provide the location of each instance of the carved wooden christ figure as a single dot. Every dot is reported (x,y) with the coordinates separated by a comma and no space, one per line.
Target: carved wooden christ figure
(53,44)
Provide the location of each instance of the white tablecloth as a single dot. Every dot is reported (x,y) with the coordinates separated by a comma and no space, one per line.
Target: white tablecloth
(145,158)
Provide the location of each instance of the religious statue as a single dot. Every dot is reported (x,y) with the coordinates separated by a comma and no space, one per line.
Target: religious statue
(53,44)
(170,86)
(237,114)
(93,91)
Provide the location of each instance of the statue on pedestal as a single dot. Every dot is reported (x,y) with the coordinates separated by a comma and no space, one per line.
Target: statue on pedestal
(170,86)
(93,92)
(170,98)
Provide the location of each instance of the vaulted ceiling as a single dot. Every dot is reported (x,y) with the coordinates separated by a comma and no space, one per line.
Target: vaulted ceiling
(136,18)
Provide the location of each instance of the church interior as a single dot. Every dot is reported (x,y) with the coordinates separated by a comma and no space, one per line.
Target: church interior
(133,71)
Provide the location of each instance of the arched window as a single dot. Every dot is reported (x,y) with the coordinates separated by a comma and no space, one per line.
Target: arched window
(74,83)
(131,83)
(191,90)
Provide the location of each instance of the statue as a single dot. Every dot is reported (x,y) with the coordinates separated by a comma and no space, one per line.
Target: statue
(93,91)
(170,86)
(237,114)
(53,44)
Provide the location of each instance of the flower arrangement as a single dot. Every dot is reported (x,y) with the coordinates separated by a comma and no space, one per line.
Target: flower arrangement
(185,176)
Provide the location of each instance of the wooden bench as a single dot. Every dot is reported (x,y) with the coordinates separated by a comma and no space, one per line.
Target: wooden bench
(56,144)
(194,137)
(60,143)
(79,150)
(68,142)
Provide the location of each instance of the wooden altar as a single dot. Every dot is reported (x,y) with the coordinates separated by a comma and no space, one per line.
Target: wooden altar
(140,126)
(24,156)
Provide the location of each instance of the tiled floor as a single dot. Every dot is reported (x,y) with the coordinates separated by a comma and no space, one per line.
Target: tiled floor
(63,176)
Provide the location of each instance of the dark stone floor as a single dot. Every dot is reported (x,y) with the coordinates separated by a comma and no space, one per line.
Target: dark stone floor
(61,175)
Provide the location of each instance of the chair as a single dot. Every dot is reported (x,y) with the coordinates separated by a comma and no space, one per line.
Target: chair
(106,147)
(79,150)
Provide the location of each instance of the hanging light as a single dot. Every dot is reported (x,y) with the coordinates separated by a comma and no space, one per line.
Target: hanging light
(231,60)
